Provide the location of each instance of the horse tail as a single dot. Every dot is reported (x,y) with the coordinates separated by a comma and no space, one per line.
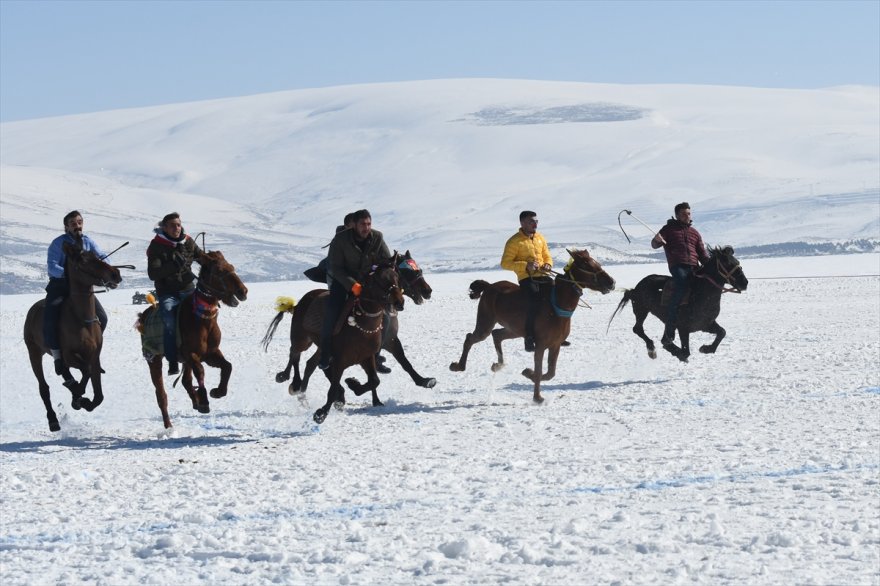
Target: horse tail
(627,296)
(477,288)
(279,317)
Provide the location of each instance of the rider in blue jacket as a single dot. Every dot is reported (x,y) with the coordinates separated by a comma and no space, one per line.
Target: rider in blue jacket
(59,288)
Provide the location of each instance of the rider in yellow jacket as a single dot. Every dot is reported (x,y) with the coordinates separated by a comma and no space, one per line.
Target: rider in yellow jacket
(526,253)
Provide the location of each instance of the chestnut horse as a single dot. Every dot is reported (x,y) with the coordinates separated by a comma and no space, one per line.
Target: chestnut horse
(199,333)
(503,303)
(414,286)
(700,311)
(80,333)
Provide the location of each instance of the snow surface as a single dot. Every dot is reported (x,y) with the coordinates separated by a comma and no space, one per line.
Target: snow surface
(446,166)
(757,465)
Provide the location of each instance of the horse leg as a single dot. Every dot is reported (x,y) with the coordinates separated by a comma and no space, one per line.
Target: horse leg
(161,396)
(552,356)
(77,392)
(85,402)
(719,335)
(396,348)
(201,393)
(186,380)
(36,357)
(335,394)
(285,374)
(480,333)
(311,365)
(369,366)
(639,330)
(684,337)
(217,360)
(534,375)
(499,336)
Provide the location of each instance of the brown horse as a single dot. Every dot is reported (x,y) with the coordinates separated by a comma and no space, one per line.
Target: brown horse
(414,286)
(702,307)
(359,338)
(199,333)
(79,331)
(504,303)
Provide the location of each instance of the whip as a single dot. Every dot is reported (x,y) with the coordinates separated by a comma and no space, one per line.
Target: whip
(632,215)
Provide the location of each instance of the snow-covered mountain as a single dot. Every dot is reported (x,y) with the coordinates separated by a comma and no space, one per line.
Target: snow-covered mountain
(445,167)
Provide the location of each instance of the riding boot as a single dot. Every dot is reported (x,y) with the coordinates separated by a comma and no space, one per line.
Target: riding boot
(173,368)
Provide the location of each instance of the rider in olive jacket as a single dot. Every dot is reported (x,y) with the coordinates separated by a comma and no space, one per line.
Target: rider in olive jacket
(352,255)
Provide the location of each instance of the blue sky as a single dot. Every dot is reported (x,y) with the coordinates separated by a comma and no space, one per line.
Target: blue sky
(71,56)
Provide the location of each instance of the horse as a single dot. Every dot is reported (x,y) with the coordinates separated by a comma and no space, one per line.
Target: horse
(199,333)
(356,342)
(80,333)
(699,313)
(414,286)
(504,303)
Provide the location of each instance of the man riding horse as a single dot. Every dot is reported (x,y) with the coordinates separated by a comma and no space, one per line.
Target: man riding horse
(526,253)
(58,288)
(685,252)
(352,255)
(169,264)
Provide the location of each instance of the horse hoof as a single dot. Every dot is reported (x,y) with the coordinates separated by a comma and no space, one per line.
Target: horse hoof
(217,393)
(456,367)
(339,405)
(352,383)
(707,349)
(88,405)
(293,391)
(76,403)
(54,425)
(538,399)
(428,383)
(204,408)
(528,373)
(319,416)
(281,377)
(378,403)
(652,354)
(497,366)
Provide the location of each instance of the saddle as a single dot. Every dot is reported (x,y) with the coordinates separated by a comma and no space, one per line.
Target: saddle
(151,328)
(314,318)
(669,287)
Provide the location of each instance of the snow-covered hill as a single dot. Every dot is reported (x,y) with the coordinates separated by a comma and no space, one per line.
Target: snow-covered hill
(445,166)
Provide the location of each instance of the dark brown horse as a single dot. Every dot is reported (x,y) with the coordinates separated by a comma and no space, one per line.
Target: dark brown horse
(199,333)
(355,341)
(79,331)
(503,303)
(701,309)
(414,286)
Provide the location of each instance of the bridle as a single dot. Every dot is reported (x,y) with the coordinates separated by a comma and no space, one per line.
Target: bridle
(726,274)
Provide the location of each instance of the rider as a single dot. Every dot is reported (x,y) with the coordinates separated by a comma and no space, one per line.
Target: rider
(352,255)
(526,253)
(169,264)
(685,252)
(59,288)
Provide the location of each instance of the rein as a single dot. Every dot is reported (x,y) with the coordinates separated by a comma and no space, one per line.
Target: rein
(725,274)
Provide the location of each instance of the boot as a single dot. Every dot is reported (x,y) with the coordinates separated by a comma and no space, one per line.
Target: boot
(173,368)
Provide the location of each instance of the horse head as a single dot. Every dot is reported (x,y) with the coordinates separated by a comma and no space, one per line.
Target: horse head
(383,284)
(413,281)
(217,278)
(586,271)
(727,268)
(84,267)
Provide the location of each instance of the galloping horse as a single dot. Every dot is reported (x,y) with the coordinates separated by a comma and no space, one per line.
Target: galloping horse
(79,331)
(359,338)
(199,332)
(414,286)
(699,314)
(503,302)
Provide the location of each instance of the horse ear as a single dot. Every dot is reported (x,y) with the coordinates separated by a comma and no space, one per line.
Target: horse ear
(728,250)
(71,250)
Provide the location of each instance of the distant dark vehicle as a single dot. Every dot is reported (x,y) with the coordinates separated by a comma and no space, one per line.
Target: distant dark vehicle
(141,298)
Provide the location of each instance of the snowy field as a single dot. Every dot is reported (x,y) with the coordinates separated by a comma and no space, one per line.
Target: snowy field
(758,465)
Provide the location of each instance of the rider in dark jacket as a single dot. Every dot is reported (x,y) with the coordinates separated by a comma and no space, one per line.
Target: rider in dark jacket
(169,263)
(352,255)
(685,252)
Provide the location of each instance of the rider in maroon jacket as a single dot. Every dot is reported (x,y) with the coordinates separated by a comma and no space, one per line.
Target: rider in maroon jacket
(685,252)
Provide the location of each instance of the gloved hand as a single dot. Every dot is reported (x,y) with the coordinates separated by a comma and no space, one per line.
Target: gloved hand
(356,289)
(531,266)
(546,267)
(178,259)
